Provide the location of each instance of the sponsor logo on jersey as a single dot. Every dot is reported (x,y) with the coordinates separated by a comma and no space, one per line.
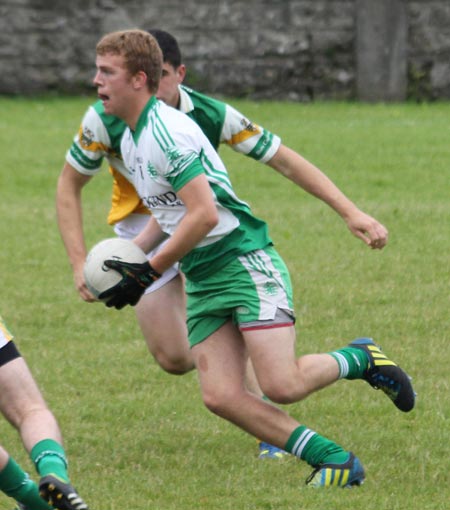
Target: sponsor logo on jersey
(165,199)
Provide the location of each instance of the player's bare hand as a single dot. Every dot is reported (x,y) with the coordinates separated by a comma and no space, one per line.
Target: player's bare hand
(80,285)
(369,230)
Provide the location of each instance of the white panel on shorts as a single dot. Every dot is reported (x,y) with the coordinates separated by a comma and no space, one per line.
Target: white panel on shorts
(260,266)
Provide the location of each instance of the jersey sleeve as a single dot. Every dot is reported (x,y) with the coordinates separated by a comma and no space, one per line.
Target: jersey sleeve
(90,145)
(244,136)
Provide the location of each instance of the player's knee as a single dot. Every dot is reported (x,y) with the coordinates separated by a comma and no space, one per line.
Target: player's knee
(283,391)
(175,365)
(220,401)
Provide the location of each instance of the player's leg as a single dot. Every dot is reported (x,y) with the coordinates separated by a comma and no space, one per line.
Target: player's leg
(282,377)
(266,320)
(22,404)
(162,317)
(285,379)
(221,364)
(161,313)
(258,292)
(220,361)
(266,450)
(15,483)
(363,359)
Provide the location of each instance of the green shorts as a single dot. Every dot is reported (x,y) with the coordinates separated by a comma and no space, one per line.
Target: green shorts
(251,291)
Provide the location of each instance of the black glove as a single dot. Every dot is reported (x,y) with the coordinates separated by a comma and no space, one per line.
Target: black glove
(135,279)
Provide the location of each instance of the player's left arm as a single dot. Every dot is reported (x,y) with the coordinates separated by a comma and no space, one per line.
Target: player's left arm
(293,166)
(200,218)
(256,142)
(150,236)
(246,137)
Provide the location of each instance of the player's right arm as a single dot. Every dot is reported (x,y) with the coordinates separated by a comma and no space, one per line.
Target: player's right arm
(83,160)
(70,222)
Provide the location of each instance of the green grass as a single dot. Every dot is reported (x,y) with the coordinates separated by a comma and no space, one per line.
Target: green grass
(139,438)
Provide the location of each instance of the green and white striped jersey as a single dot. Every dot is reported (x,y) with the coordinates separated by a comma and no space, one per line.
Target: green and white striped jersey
(163,154)
(100,134)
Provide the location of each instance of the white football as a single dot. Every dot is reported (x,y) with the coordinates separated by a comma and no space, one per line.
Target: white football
(97,276)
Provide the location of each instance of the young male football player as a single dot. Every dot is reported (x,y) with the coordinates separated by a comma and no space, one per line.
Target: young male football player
(239,297)
(99,137)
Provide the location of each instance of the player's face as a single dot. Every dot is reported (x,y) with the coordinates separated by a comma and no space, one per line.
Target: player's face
(168,86)
(114,83)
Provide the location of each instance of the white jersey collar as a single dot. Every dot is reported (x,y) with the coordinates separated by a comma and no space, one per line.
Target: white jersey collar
(186,105)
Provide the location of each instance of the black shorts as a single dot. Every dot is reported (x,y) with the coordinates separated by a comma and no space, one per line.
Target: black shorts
(8,352)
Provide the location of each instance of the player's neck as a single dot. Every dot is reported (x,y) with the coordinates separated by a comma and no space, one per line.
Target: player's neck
(135,109)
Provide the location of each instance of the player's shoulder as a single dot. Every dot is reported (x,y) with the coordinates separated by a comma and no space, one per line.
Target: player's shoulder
(172,117)
(201,100)
(169,128)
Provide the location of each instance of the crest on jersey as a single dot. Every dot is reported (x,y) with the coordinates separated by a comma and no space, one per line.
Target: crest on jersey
(173,153)
(249,126)
(151,170)
(86,137)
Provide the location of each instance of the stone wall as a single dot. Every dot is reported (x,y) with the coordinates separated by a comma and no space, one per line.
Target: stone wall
(282,49)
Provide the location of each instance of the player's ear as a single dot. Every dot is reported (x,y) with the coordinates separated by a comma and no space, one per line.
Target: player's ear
(181,73)
(139,80)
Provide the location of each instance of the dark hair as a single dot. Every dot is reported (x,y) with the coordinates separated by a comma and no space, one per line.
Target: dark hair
(169,47)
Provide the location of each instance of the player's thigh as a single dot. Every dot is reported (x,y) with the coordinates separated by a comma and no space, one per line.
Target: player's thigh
(221,362)
(272,353)
(162,316)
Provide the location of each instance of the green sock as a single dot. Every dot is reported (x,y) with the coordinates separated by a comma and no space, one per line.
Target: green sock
(314,449)
(15,483)
(352,362)
(49,457)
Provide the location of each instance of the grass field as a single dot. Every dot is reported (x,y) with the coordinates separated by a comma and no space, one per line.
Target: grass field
(138,438)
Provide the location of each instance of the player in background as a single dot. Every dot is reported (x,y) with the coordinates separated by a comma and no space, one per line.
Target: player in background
(239,297)
(99,137)
(22,404)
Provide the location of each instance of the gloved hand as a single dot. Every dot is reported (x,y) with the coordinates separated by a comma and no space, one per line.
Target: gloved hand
(136,278)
